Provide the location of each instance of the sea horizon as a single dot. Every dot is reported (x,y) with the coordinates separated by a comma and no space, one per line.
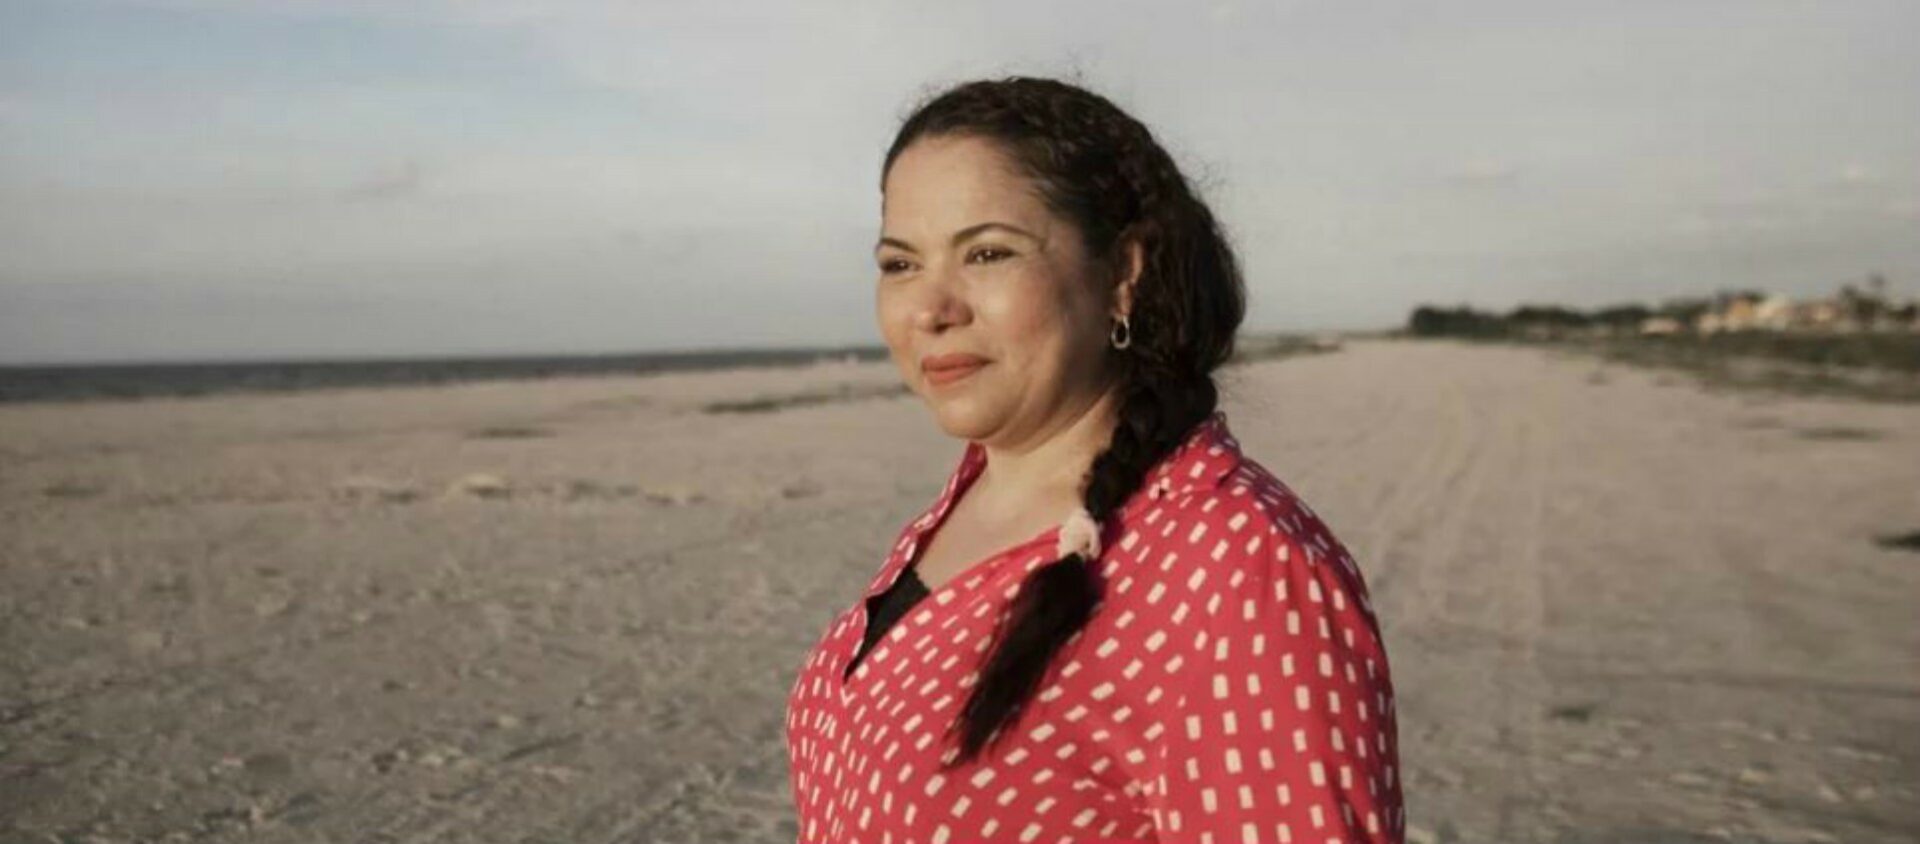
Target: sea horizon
(110,380)
(174,378)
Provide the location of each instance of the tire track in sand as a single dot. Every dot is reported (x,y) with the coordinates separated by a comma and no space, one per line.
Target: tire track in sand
(1427,494)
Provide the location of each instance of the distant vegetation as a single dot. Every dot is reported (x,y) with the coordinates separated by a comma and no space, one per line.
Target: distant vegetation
(1538,321)
(1859,327)
(1858,343)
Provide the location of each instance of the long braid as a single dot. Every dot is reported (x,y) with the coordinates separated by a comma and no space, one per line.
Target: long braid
(1103,170)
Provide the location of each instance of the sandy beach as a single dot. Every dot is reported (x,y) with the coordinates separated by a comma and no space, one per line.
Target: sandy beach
(1619,607)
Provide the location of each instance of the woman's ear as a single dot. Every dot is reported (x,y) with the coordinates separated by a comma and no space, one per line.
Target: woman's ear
(1131,264)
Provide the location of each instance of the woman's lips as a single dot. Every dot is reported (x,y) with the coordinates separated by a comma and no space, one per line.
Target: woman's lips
(941,376)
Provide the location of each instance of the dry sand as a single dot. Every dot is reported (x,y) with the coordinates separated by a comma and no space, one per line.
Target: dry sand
(1619,608)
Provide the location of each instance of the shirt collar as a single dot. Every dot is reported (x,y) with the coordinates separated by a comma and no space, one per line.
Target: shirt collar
(1199,463)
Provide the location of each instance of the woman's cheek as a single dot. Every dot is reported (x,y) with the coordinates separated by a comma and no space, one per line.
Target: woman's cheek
(896,333)
(1025,313)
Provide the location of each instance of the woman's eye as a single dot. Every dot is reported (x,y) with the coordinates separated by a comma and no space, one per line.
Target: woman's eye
(989,254)
(892,266)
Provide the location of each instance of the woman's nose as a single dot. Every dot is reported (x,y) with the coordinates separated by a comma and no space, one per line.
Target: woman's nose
(941,305)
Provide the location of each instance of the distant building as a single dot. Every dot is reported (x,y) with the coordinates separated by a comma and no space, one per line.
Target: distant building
(1774,313)
(1660,325)
(1852,310)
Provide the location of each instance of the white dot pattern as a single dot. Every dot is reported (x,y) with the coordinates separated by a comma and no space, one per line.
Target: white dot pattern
(1230,688)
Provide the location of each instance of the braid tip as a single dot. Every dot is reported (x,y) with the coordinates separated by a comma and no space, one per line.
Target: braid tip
(1080,533)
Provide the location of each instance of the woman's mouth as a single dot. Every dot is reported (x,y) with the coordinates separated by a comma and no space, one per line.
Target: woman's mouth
(950,374)
(946,370)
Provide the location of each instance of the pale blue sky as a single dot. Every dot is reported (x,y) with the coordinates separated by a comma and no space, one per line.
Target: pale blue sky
(262,178)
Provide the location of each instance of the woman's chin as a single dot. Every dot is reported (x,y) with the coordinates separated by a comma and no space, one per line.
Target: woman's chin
(963,417)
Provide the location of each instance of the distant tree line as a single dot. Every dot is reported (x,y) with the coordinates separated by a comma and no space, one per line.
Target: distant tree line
(1852,309)
(1463,321)
(1536,320)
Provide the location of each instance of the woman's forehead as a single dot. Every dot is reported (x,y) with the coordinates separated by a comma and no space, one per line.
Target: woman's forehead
(938,186)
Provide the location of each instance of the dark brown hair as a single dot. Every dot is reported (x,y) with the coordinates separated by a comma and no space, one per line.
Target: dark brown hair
(1101,169)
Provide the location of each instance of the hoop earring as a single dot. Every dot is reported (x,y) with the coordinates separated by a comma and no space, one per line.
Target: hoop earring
(1122,334)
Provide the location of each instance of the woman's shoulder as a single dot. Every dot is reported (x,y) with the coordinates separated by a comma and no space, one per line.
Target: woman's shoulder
(1242,531)
(1236,498)
(1210,486)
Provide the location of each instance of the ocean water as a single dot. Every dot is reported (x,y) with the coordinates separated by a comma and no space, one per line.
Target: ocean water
(147,380)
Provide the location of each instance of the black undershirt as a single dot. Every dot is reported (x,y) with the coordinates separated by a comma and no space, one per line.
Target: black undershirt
(888,607)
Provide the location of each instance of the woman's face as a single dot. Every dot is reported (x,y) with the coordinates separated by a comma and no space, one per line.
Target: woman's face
(973,263)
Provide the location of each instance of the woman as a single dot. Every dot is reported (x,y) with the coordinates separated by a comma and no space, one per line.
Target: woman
(1187,655)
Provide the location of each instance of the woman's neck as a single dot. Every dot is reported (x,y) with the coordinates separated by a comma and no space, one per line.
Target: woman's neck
(1052,462)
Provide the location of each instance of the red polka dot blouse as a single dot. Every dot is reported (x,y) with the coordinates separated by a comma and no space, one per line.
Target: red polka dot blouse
(1230,687)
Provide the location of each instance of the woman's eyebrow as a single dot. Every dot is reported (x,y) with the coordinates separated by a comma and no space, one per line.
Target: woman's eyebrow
(961,235)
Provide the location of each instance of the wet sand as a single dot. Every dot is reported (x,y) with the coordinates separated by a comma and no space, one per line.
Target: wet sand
(1619,607)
